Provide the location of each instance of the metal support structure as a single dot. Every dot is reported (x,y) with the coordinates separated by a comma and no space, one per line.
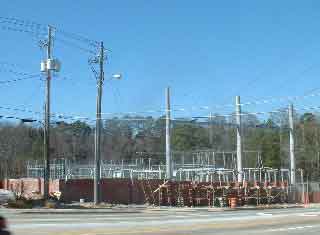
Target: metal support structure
(239,143)
(291,146)
(168,150)
(46,142)
(97,143)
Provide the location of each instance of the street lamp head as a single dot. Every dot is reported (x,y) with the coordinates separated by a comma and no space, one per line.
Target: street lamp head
(117,76)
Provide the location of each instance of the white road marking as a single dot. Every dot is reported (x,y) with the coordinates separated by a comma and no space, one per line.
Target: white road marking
(291,228)
(309,215)
(264,214)
(195,215)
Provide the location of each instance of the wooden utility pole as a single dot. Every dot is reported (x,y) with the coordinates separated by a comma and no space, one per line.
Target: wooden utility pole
(46,142)
(97,144)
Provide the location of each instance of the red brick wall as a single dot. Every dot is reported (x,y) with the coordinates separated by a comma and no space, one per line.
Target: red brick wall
(14,185)
(54,186)
(117,191)
(314,197)
(73,190)
(29,185)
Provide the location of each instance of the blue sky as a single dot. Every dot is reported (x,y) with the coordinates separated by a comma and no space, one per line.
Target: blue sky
(206,51)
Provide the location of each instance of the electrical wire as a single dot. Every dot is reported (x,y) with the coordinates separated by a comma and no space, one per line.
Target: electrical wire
(258,102)
(15,72)
(4,82)
(282,99)
(24,75)
(41,27)
(21,31)
(21,22)
(307,108)
(77,37)
(7,64)
(71,44)
(183,119)
(37,29)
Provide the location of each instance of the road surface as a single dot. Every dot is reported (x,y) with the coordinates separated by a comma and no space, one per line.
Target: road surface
(165,221)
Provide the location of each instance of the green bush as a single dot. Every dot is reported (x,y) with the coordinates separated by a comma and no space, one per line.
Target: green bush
(20,204)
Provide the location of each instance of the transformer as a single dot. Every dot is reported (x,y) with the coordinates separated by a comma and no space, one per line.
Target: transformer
(50,64)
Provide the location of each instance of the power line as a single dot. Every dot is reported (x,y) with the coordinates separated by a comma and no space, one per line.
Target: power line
(308,108)
(139,119)
(282,99)
(21,31)
(38,26)
(33,120)
(71,44)
(37,29)
(15,72)
(19,79)
(8,64)
(77,37)
(25,75)
(255,102)
(21,22)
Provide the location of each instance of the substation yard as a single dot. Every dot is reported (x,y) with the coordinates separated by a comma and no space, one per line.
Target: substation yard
(192,194)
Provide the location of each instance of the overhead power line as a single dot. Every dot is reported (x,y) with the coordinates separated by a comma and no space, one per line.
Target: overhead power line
(15,72)
(53,115)
(19,118)
(8,28)
(307,108)
(4,67)
(282,99)
(186,119)
(77,37)
(20,22)
(8,64)
(2,82)
(124,118)
(255,102)
(36,29)
(71,44)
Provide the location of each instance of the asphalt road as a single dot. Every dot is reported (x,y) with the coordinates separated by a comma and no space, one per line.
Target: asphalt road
(166,221)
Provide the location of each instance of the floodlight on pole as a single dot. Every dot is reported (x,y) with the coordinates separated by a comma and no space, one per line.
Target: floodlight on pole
(117,76)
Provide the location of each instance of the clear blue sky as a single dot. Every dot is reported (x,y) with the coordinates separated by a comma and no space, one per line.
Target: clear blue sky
(207,51)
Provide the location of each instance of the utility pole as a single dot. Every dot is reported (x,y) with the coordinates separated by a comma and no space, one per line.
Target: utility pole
(210,131)
(168,150)
(47,117)
(239,143)
(97,143)
(303,189)
(291,146)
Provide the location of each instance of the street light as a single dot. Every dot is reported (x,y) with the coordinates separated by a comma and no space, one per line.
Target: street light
(117,76)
